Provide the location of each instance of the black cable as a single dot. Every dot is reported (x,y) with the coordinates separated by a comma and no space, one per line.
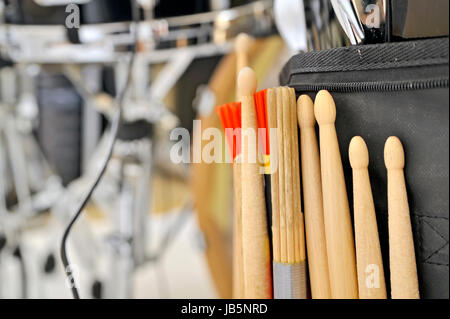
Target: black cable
(17,253)
(115,124)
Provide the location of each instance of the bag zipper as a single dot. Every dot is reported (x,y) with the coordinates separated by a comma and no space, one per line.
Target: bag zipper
(355,87)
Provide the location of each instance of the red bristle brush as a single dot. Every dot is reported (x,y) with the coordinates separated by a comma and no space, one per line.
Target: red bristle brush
(226,124)
(261,117)
(230,117)
(263,138)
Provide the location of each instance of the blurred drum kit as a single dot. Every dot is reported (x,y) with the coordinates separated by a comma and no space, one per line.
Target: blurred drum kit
(63,64)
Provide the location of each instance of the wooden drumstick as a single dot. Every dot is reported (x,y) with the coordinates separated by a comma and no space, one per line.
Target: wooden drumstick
(338,227)
(238,268)
(369,262)
(256,250)
(404,282)
(242,46)
(241,49)
(312,197)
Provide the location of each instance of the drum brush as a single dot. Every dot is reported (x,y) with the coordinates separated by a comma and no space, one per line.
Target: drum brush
(338,227)
(371,283)
(402,260)
(271,113)
(230,118)
(264,151)
(255,240)
(312,196)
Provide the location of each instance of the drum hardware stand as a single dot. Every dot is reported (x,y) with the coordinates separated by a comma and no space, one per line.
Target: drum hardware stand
(39,44)
(35,192)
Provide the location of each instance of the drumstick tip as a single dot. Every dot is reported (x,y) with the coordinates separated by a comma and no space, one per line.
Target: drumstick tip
(358,153)
(243,42)
(305,111)
(246,82)
(394,156)
(324,108)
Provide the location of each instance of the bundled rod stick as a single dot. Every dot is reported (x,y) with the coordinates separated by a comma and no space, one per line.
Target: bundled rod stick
(281,179)
(338,227)
(256,250)
(288,172)
(290,271)
(300,224)
(404,283)
(294,175)
(312,196)
(369,263)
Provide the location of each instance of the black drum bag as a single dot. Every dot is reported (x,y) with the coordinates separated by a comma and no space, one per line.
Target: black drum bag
(398,89)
